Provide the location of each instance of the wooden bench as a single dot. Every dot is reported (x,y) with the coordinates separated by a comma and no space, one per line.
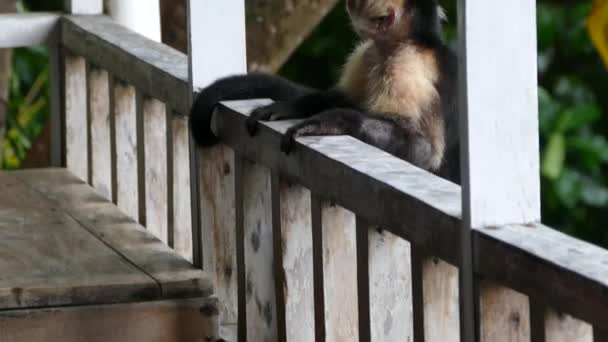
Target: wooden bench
(74,267)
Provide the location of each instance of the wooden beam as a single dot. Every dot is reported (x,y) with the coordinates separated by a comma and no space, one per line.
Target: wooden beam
(40,28)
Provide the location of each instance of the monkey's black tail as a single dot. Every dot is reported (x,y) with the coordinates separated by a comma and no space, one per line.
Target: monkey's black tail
(242,87)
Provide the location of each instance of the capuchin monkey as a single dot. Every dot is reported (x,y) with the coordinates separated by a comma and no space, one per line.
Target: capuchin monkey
(397,90)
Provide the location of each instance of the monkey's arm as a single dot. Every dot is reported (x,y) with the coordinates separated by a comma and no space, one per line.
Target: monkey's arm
(241,87)
(299,108)
(393,134)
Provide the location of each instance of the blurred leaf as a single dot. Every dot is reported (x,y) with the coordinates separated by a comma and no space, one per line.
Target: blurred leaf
(548,110)
(554,156)
(597,25)
(568,188)
(595,147)
(577,117)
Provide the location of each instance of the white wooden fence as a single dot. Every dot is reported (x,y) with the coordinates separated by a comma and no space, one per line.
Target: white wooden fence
(294,241)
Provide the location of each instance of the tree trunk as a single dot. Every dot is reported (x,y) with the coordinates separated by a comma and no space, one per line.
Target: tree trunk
(5,67)
(275,28)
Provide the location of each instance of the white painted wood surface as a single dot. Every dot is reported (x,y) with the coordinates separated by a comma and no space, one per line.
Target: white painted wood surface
(561,327)
(441,301)
(339,252)
(218,226)
(141,16)
(101,136)
(40,27)
(84,6)
(297,262)
(76,123)
(125,126)
(228,43)
(258,252)
(504,314)
(182,208)
(390,287)
(156,172)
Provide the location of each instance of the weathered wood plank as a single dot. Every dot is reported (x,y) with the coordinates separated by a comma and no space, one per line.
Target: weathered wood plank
(182,207)
(255,184)
(84,6)
(38,267)
(560,327)
(101,126)
(504,314)
(175,275)
(390,287)
(294,243)
(441,301)
(40,26)
(156,180)
(338,251)
(156,69)
(125,126)
(76,123)
(167,321)
(218,227)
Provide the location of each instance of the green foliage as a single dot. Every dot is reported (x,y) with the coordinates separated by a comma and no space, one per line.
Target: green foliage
(28,107)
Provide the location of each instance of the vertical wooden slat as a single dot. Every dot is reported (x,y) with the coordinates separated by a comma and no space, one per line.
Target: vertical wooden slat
(155,174)
(296,263)
(564,328)
(216,165)
(499,148)
(440,301)
(182,209)
(339,278)
(218,230)
(76,123)
(101,152)
(390,287)
(255,184)
(504,314)
(125,121)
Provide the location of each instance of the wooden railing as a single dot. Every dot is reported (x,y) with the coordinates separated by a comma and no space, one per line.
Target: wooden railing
(337,242)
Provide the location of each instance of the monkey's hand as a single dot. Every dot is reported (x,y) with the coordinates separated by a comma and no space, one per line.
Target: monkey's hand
(272,112)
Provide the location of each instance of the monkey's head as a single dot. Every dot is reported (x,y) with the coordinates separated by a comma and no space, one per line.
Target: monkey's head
(393,20)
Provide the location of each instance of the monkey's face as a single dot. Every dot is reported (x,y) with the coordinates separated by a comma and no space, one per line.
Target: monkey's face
(380,20)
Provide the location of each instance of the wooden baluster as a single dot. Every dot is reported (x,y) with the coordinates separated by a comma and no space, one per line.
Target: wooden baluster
(213,54)
(259,291)
(440,301)
(101,131)
(293,243)
(500,162)
(335,253)
(76,123)
(156,169)
(182,209)
(564,328)
(390,285)
(125,126)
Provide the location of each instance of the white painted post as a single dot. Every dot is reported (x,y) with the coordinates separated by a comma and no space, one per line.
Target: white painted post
(499,130)
(84,6)
(216,31)
(141,16)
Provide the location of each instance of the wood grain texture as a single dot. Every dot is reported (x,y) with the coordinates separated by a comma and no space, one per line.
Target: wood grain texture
(258,252)
(218,226)
(297,262)
(76,123)
(175,276)
(125,126)
(182,206)
(155,69)
(156,168)
(101,136)
(441,301)
(564,328)
(40,28)
(339,254)
(390,287)
(166,321)
(504,314)
(38,243)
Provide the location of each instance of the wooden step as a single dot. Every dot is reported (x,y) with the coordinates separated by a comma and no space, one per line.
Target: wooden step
(62,245)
